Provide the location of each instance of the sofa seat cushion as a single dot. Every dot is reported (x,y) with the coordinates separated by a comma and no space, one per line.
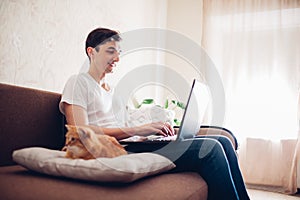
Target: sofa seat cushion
(17,183)
(125,168)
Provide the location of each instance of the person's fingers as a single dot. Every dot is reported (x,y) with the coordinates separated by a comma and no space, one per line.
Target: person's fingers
(162,128)
(172,131)
(168,129)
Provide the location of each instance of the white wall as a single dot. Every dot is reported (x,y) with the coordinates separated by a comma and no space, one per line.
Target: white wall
(184,17)
(42,41)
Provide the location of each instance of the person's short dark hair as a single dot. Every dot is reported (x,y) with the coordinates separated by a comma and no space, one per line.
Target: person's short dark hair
(100,35)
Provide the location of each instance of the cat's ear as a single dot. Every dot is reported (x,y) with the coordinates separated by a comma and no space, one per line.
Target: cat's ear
(83,133)
(69,127)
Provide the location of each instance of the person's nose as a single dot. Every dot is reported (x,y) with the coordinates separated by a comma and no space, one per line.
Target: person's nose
(117,58)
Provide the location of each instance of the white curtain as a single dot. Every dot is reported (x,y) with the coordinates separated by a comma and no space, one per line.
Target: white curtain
(255,45)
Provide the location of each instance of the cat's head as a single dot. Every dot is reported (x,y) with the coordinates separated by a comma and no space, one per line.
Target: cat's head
(74,146)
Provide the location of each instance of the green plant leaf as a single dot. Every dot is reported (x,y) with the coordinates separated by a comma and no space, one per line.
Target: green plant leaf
(146,101)
(166,103)
(181,105)
(177,122)
(178,104)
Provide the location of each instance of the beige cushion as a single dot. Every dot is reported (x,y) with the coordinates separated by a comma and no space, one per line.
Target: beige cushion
(125,168)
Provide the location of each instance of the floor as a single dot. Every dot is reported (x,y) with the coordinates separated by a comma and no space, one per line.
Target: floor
(264,195)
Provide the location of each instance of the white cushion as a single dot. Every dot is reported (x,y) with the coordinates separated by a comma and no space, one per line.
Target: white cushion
(124,168)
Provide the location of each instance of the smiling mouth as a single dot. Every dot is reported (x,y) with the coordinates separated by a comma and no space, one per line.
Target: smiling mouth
(110,67)
(111,64)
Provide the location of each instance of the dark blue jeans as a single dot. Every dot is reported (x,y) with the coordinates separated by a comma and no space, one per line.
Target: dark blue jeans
(213,157)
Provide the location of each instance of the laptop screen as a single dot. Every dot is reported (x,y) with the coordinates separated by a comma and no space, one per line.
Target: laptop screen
(194,111)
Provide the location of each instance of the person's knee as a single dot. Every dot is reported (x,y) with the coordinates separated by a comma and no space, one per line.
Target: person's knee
(225,141)
(210,147)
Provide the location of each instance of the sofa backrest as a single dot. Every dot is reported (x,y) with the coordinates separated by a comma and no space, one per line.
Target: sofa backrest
(29,117)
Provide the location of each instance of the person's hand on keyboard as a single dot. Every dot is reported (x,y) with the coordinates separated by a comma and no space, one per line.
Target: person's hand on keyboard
(155,128)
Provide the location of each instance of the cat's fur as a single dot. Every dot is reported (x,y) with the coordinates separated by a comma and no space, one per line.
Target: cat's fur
(82,142)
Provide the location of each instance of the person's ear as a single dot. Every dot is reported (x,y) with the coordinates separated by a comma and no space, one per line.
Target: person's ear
(90,51)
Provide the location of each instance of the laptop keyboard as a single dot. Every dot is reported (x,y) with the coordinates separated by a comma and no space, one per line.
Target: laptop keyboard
(161,138)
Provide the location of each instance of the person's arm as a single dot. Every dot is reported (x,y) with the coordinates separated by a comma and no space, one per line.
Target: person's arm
(76,115)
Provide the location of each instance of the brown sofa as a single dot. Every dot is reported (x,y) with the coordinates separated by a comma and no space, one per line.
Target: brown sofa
(30,117)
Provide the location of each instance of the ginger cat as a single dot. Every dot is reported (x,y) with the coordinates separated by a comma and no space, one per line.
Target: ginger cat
(82,142)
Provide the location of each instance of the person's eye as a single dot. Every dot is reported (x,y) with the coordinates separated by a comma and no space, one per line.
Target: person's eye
(110,51)
(113,51)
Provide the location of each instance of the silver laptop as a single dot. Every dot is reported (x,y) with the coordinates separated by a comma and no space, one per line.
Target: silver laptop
(192,118)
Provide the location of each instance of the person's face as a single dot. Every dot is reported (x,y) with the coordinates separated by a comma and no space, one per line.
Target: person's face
(104,57)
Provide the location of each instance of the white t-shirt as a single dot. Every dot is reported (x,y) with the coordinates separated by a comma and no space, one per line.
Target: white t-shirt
(103,109)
